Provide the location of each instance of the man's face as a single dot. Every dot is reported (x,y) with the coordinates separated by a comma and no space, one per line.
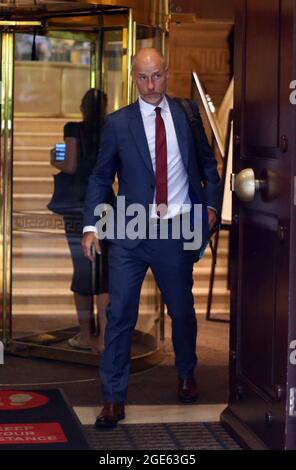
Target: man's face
(150,77)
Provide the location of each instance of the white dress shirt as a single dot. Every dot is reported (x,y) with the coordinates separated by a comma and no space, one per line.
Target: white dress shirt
(178,185)
(177,178)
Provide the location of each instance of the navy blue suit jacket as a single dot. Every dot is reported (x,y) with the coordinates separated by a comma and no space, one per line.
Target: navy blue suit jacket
(124,151)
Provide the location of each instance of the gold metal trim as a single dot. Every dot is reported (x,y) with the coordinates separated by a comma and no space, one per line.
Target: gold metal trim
(130,47)
(20,23)
(124,66)
(139,362)
(101,64)
(166,16)
(93,64)
(134,49)
(7,48)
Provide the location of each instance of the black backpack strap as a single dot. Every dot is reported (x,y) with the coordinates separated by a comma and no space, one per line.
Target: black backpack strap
(186,106)
(194,123)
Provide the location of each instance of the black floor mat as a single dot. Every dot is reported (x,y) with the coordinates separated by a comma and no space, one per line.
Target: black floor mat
(166,436)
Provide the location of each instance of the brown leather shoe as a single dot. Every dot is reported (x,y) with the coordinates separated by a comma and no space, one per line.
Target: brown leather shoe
(109,416)
(187,390)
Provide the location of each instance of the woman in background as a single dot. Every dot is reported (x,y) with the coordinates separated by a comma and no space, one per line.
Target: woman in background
(82,143)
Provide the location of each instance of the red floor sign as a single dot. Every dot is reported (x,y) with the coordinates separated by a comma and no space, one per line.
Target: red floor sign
(31,433)
(21,400)
(39,419)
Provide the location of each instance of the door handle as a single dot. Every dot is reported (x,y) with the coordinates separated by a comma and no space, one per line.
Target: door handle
(245,185)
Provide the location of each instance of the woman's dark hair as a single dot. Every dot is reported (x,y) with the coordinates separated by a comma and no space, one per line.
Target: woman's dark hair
(93,107)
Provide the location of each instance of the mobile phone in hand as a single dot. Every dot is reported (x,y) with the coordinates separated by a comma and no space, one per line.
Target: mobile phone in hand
(60,152)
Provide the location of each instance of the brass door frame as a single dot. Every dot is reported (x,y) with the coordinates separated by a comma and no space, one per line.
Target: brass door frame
(7,74)
(7,80)
(6,141)
(7,42)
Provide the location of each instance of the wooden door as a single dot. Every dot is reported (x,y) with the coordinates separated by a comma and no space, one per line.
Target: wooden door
(262,378)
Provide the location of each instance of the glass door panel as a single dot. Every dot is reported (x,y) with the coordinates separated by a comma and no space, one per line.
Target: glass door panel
(51,76)
(113,72)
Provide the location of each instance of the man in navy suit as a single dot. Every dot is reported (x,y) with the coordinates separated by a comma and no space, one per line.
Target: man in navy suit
(150,146)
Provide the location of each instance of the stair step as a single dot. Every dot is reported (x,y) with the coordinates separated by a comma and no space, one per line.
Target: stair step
(33,169)
(58,295)
(24,241)
(60,292)
(32,185)
(31,202)
(44,273)
(60,309)
(40,124)
(51,280)
(32,153)
(37,139)
(30,261)
(36,277)
(52,246)
(51,309)
(41,272)
(53,240)
(60,257)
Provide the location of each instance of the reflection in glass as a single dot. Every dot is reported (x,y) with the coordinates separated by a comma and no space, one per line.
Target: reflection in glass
(113,54)
(47,94)
(43,48)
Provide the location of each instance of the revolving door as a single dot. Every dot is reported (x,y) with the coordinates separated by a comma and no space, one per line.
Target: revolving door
(48,62)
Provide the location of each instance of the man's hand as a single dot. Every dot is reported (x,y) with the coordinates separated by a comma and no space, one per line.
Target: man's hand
(89,240)
(212,218)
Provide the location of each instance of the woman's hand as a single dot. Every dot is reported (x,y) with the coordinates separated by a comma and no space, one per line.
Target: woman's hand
(70,163)
(52,156)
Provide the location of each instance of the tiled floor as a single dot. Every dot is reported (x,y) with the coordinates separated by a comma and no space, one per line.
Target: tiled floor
(144,414)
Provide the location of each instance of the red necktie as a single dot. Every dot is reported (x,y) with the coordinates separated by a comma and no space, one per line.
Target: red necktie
(161,162)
